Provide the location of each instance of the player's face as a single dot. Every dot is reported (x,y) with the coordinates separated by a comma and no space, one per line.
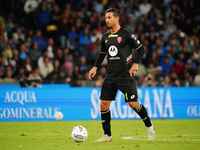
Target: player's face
(111,20)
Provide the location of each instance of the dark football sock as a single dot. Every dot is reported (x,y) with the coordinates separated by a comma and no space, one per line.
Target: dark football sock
(106,117)
(143,114)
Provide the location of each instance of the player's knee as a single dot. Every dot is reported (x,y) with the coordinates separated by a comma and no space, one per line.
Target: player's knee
(134,105)
(104,105)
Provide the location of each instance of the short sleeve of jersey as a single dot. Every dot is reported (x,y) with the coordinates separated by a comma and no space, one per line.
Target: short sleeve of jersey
(134,42)
(103,47)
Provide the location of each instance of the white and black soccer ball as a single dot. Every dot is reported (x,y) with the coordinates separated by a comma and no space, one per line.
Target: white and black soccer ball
(79,133)
(58,115)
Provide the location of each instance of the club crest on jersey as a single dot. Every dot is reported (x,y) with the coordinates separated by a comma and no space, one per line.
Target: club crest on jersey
(119,39)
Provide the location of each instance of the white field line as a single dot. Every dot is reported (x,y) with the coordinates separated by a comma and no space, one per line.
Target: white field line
(189,140)
(181,135)
(33,134)
(158,137)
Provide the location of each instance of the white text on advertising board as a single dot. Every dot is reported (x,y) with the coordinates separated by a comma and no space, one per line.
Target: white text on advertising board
(19,108)
(158,107)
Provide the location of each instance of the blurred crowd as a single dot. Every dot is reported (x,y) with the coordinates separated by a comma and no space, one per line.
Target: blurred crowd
(57,41)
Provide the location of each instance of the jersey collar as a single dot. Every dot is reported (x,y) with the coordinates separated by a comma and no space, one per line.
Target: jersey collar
(115,31)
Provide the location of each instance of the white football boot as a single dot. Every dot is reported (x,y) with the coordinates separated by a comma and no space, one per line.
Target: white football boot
(105,138)
(151,132)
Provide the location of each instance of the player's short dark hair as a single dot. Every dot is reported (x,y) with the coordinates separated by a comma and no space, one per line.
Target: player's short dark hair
(116,12)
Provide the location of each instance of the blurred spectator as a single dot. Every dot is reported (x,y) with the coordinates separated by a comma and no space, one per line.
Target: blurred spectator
(75,73)
(175,11)
(99,81)
(134,14)
(98,6)
(46,67)
(93,50)
(144,7)
(197,79)
(68,76)
(191,67)
(56,14)
(197,54)
(171,26)
(149,81)
(102,71)
(82,65)
(66,53)
(8,78)
(20,74)
(64,28)
(61,77)
(178,67)
(70,61)
(141,70)
(187,81)
(67,66)
(159,78)
(41,58)
(19,36)
(174,79)
(140,80)
(23,52)
(59,56)
(167,81)
(35,54)
(1,73)
(166,66)
(123,17)
(84,41)
(57,66)
(9,25)
(72,41)
(131,24)
(43,16)
(16,62)
(28,66)
(165,32)
(95,35)
(151,69)
(51,48)
(39,39)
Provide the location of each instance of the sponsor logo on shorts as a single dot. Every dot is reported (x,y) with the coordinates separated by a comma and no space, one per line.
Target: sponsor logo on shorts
(133,96)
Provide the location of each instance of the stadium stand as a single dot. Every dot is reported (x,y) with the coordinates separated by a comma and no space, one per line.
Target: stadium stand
(59,40)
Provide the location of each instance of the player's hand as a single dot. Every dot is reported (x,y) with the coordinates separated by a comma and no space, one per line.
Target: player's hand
(92,73)
(133,69)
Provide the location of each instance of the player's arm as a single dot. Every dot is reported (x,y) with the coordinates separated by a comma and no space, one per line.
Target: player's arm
(99,60)
(139,54)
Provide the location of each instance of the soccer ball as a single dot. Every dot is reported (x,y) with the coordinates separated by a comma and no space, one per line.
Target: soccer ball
(58,115)
(79,133)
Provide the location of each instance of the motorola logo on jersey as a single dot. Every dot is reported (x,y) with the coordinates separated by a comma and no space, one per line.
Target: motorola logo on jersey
(113,50)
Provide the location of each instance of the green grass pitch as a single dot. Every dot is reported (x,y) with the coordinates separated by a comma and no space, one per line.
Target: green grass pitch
(127,135)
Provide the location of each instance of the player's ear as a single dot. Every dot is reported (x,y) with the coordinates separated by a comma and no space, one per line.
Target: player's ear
(117,18)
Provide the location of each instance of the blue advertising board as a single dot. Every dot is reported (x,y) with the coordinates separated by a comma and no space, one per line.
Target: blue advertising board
(78,103)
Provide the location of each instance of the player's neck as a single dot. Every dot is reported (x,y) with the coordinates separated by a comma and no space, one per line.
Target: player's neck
(115,28)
